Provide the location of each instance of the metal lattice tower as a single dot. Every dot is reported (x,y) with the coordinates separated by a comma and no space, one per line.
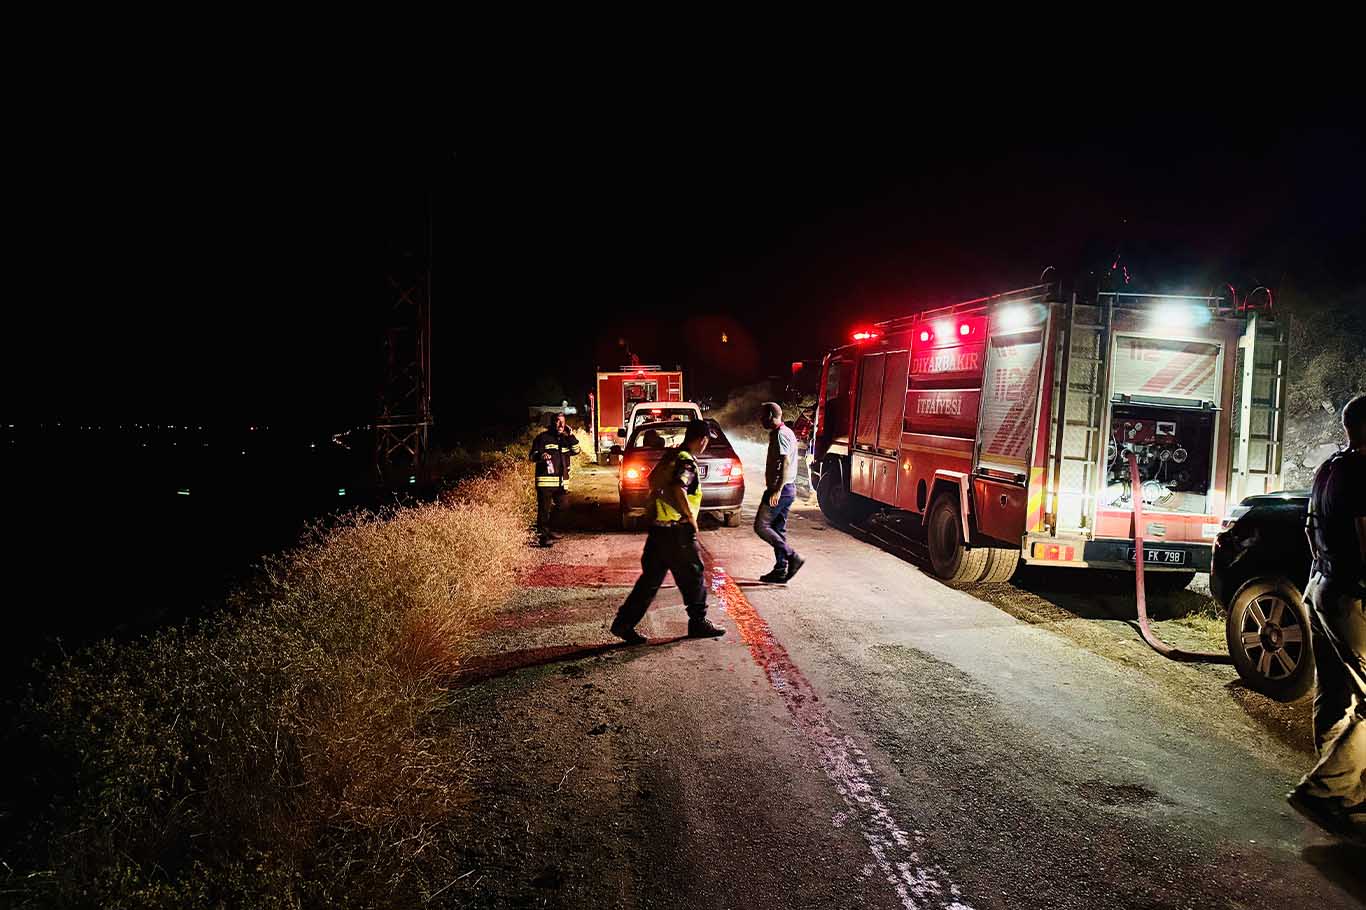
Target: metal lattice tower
(404,421)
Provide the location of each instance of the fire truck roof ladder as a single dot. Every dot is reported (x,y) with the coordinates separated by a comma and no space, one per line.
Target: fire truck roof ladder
(1021,295)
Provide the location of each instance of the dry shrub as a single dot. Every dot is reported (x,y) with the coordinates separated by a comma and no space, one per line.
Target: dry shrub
(289,753)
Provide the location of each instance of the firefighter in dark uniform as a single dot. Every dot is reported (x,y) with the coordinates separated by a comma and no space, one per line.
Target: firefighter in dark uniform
(552,451)
(671,545)
(1333,793)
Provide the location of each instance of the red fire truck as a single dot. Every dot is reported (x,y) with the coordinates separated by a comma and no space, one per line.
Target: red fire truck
(617,391)
(1002,422)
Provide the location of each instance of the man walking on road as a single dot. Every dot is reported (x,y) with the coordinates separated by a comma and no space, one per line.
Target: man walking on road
(1333,794)
(671,546)
(552,451)
(780,490)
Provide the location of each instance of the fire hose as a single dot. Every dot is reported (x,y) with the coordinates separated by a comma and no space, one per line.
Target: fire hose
(1157,644)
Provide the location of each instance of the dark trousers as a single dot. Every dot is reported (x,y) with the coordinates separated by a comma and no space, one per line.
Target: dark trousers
(667,550)
(1338,632)
(548,499)
(770,523)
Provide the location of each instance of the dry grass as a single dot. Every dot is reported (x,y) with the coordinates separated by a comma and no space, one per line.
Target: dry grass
(291,752)
(585,438)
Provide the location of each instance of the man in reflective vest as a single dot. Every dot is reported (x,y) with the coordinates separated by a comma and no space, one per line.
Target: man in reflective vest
(671,545)
(552,452)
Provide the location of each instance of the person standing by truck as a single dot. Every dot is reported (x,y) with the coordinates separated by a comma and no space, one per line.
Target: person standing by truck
(780,490)
(1333,793)
(552,451)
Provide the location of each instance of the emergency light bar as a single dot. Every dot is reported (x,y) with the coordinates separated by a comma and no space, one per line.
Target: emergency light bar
(865,335)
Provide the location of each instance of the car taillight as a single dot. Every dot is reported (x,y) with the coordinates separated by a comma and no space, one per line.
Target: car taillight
(727,472)
(634,475)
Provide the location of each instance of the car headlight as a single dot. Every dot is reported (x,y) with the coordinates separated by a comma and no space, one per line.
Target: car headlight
(1234,514)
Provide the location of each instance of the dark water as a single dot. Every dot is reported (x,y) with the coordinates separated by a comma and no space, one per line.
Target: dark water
(118,532)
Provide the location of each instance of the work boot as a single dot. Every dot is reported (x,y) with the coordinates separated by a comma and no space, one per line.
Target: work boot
(701,627)
(776,576)
(627,634)
(794,564)
(1324,811)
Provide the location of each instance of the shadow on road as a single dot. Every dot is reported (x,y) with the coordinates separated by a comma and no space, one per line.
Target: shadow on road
(1071,593)
(1057,597)
(1342,864)
(486,667)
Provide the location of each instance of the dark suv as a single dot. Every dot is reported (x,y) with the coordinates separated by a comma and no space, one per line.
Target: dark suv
(1260,567)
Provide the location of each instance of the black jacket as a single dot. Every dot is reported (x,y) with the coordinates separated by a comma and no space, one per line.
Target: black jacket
(553,453)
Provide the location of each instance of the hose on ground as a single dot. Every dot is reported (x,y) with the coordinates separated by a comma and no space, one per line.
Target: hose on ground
(1157,644)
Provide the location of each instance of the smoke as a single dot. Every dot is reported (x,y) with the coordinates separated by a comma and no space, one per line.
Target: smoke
(739,416)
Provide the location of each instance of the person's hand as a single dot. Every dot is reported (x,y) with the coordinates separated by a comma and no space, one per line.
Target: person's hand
(773,499)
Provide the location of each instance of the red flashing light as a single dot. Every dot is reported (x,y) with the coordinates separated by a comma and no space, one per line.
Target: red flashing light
(925,335)
(964,329)
(865,336)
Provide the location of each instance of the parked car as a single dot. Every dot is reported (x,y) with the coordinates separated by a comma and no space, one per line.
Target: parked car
(722,474)
(1259,571)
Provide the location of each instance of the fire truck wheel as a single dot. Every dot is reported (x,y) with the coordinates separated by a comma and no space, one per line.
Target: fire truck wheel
(1001,564)
(1268,636)
(837,504)
(950,559)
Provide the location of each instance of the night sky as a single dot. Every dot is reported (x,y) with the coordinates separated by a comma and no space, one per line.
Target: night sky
(244,279)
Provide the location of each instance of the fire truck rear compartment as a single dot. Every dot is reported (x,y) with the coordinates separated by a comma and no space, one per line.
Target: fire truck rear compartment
(1173,447)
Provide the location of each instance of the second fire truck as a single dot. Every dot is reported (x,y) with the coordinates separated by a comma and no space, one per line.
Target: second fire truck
(1002,422)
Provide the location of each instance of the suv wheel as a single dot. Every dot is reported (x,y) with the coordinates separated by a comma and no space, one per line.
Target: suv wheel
(1268,636)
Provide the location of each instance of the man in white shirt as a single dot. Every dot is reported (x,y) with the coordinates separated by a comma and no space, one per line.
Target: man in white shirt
(780,490)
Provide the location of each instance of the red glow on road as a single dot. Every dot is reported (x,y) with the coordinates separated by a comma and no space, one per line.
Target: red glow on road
(900,854)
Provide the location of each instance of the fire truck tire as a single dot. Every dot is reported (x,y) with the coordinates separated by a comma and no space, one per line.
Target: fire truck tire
(837,504)
(950,559)
(1001,564)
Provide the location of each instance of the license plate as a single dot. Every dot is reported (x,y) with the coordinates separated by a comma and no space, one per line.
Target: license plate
(702,472)
(1158,557)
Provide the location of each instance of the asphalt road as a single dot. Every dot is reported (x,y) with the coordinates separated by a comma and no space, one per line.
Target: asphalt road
(865,737)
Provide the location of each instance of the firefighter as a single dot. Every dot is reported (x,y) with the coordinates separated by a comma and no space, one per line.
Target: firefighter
(1333,793)
(552,451)
(671,545)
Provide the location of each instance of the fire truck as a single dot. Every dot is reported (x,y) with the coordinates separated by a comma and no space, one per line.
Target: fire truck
(1003,423)
(617,392)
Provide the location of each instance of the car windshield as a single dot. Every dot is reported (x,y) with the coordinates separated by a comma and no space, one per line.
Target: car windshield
(670,435)
(656,415)
(658,436)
